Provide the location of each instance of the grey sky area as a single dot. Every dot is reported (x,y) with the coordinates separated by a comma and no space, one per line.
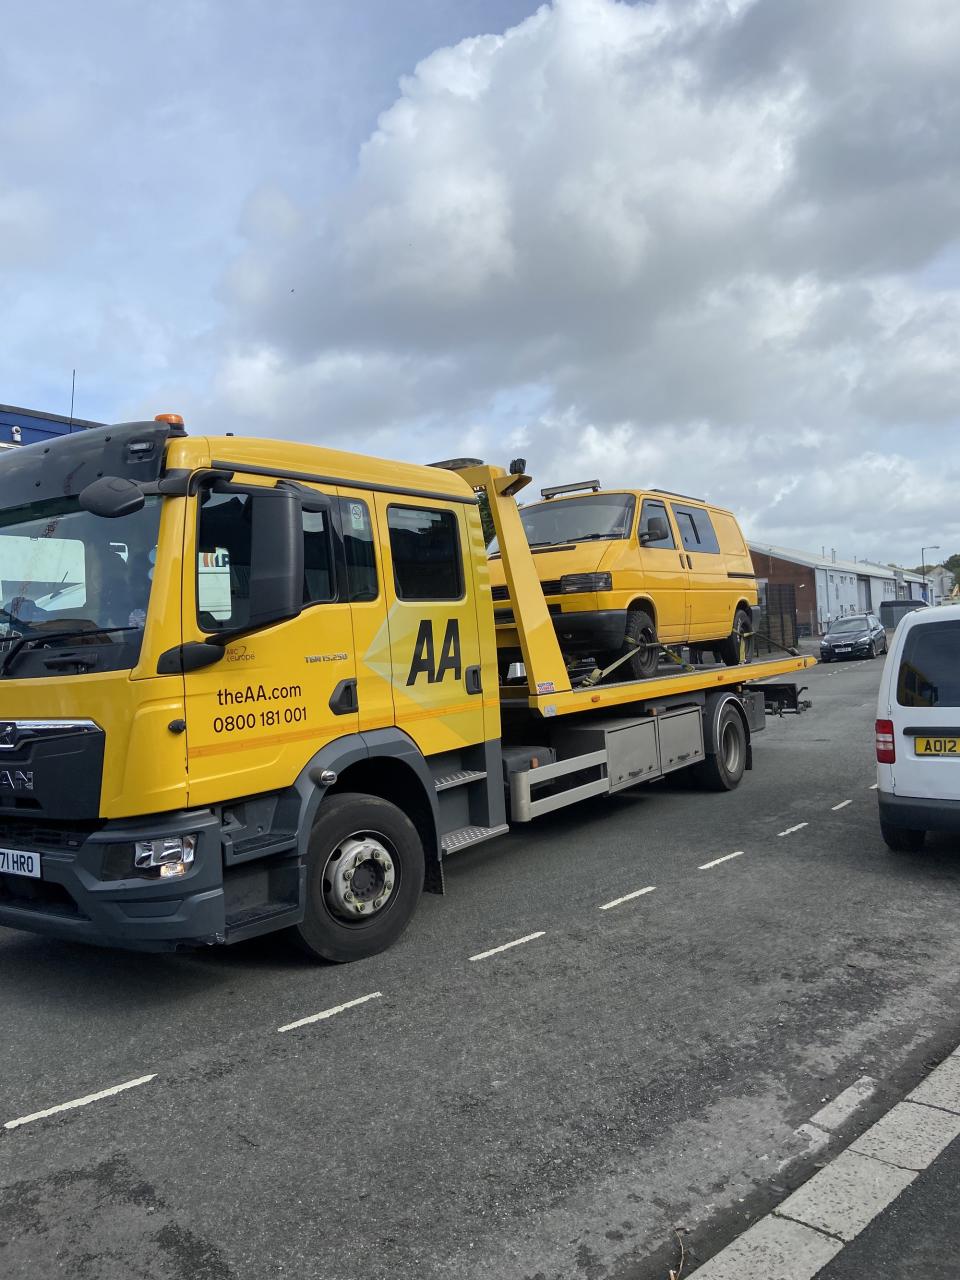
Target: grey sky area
(706,245)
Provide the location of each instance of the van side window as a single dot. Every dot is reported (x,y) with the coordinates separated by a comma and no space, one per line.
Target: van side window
(696,529)
(358,550)
(652,510)
(425,546)
(929,674)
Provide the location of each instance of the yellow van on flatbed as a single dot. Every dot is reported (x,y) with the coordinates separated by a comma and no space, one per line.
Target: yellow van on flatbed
(625,571)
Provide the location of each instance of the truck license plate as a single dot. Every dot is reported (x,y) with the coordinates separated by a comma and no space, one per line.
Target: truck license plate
(15,862)
(937,746)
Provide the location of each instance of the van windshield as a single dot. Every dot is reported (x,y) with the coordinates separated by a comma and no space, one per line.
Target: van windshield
(929,673)
(595,516)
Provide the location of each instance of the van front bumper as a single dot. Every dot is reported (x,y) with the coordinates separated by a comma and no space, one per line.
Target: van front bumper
(85,896)
(917,814)
(593,631)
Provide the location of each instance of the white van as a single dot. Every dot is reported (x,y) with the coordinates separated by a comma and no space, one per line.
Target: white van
(918,729)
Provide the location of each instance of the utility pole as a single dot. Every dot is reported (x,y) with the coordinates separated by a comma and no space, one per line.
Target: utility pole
(923,566)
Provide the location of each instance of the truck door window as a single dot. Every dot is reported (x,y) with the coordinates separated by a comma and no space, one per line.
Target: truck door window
(358,550)
(223,560)
(425,546)
(696,529)
(652,510)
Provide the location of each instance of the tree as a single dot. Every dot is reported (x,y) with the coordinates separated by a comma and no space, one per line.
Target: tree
(486,519)
(953,564)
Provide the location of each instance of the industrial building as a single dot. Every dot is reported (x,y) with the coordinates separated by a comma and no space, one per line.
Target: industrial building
(29,426)
(816,589)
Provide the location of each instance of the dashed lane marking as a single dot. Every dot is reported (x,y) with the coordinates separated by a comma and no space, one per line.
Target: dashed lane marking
(842,805)
(329,1013)
(790,830)
(517,942)
(716,862)
(79,1102)
(627,897)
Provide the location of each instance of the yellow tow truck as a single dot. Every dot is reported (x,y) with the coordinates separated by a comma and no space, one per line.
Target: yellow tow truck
(249,686)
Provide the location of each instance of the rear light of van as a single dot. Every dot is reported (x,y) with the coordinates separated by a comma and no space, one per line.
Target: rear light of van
(886,748)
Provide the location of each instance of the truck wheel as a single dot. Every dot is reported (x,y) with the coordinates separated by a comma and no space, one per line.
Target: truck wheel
(364,878)
(902,839)
(729,649)
(723,771)
(641,631)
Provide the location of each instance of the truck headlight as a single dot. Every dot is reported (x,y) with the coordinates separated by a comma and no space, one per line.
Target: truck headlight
(172,854)
(571,582)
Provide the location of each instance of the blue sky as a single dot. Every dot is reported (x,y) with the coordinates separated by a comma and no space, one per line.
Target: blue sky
(702,244)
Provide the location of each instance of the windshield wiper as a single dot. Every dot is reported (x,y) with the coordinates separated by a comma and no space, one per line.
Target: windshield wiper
(69,633)
(594,537)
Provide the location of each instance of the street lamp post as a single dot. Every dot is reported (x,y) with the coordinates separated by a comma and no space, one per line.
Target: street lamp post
(923,565)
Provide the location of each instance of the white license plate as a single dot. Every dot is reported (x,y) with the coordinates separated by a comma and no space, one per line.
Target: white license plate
(15,862)
(844,649)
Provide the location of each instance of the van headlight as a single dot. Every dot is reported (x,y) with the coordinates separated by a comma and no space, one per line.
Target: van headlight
(571,582)
(172,854)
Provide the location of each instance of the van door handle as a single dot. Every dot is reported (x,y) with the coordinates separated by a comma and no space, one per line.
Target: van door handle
(472,680)
(689,563)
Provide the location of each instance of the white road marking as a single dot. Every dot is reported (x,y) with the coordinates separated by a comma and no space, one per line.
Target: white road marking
(517,942)
(873,786)
(637,893)
(78,1102)
(329,1013)
(716,862)
(790,830)
(842,805)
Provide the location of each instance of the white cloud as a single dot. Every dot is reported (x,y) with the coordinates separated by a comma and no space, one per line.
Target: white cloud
(707,244)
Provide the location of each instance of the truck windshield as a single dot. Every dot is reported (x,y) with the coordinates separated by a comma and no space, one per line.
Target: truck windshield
(595,516)
(63,569)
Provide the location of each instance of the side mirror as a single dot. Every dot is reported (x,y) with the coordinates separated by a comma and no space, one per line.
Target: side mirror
(657,530)
(110,497)
(276,556)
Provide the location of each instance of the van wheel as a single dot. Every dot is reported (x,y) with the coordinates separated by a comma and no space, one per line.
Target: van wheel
(365,868)
(723,771)
(902,839)
(729,649)
(641,632)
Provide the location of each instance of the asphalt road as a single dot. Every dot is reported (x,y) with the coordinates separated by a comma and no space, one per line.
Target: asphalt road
(554,1110)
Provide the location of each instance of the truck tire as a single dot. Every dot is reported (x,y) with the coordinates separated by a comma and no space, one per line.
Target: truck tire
(723,771)
(365,868)
(902,839)
(729,650)
(641,629)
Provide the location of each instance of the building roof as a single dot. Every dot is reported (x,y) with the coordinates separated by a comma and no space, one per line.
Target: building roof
(811,560)
(17,412)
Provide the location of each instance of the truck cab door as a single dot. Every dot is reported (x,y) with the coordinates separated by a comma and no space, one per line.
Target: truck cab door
(255,717)
(430,651)
(664,569)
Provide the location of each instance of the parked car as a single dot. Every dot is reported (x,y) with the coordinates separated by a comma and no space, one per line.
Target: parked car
(859,635)
(625,571)
(918,729)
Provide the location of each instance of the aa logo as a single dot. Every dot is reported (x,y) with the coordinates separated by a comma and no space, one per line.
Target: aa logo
(424,653)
